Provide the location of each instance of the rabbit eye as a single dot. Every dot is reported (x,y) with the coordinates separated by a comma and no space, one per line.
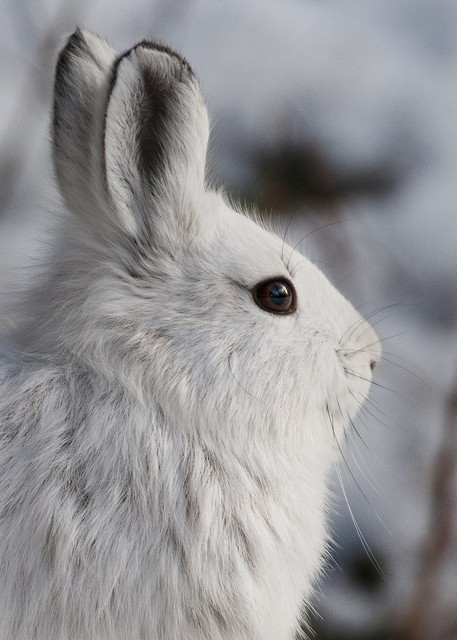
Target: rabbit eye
(275,296)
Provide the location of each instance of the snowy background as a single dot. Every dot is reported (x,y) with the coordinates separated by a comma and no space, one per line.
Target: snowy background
(341,115)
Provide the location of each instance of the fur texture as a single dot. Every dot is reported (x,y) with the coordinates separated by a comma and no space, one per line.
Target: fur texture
(164,441)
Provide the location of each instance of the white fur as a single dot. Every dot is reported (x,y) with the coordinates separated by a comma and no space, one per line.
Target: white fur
(165,443)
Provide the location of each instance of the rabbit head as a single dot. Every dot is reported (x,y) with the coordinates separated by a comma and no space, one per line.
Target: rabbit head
(163,284)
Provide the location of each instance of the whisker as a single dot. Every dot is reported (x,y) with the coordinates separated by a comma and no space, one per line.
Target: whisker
(385,338)
(285,235)
(349,331)
(394,355)
(343,457)
(378,491)
(367,474)
(393,308)
(358,434)
(363,540)
(322,226)
(352,424)
(403,368)
(373,382)
(366,348)
(366,410)
(383,318)
(365,470)
(302,263)
(331,421)
(372,325)
(372,402)
(236,379)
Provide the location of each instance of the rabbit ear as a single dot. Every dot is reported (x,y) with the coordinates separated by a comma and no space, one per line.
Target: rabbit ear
(81,84)
(130,135)
(155,138)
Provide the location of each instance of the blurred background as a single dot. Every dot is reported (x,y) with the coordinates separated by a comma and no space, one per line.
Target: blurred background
(341,117)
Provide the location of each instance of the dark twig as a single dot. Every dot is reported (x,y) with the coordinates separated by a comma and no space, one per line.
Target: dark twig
(416,621)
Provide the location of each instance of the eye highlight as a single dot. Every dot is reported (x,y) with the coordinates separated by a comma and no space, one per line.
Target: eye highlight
(275,296)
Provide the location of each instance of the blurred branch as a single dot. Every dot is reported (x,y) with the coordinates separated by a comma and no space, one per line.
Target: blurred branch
(417,621)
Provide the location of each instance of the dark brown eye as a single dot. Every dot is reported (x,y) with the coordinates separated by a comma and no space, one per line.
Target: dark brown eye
(275,296)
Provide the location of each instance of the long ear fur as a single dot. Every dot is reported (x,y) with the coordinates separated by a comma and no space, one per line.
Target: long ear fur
(81,83)
(156,135)
(130,135)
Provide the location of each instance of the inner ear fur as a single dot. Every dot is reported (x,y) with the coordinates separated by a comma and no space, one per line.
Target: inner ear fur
(155,138)
(81,81)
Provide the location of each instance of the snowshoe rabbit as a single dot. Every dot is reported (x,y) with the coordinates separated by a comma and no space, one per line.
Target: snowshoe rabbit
(174,405)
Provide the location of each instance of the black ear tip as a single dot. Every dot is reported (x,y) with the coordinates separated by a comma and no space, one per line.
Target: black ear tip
(162,48)
(77,36)
(76,43)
